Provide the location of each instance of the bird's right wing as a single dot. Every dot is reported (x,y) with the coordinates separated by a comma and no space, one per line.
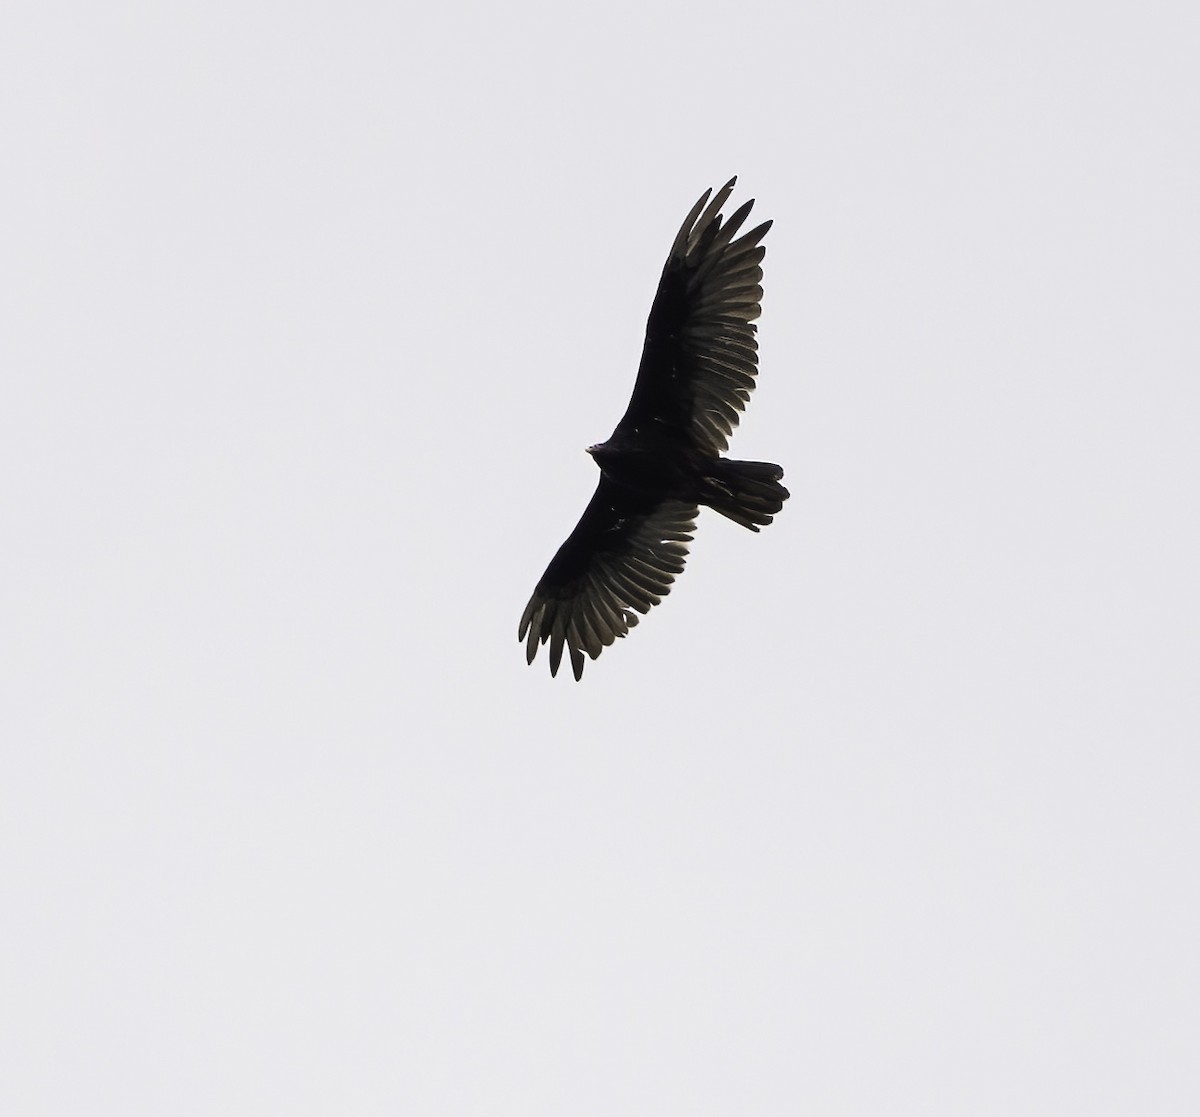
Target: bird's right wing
(622,556)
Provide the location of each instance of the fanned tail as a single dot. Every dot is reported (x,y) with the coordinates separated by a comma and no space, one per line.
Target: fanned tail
(748,493)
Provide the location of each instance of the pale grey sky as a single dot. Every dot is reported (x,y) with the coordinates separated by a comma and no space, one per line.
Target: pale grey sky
(309,314)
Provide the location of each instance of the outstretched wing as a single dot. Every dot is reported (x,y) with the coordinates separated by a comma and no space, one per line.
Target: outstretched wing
(622,556)
(701,357)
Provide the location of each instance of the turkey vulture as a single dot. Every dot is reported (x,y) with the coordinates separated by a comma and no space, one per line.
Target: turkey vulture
(664,458)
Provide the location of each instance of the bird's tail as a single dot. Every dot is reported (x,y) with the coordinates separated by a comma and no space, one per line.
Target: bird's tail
(749,493)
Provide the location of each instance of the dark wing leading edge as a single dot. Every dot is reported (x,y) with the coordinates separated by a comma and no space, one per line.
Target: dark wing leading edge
(701,356)
(622,556)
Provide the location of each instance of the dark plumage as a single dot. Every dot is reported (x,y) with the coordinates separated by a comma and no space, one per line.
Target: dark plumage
(664,459)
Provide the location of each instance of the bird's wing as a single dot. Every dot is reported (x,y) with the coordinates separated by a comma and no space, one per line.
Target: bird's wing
(622,556)
(701,357)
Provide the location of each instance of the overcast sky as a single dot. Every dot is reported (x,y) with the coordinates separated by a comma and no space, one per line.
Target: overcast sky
(308,314)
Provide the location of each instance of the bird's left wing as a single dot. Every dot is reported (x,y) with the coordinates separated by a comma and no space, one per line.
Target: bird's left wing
(622,556)
(700,358)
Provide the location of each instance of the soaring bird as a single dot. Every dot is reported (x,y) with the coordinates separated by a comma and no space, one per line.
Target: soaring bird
(664,459)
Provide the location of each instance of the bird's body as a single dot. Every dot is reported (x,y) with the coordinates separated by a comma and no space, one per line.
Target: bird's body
(650,465)
(664,459)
